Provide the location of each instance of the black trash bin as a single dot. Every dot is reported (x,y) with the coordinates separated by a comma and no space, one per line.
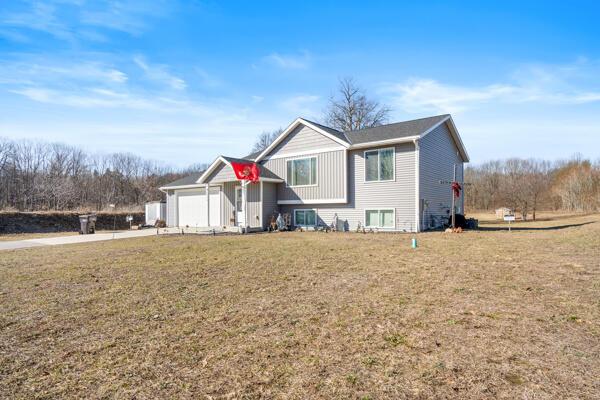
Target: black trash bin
(88,224)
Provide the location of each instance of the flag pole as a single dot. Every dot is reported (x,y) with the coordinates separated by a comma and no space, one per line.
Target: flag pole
(245,201)
(454,201)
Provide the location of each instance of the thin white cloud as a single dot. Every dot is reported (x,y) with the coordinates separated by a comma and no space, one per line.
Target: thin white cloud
(289,61)
(301,105)
(73,21)
(14,36)
(39,17)
(207,79)
(125,16)
(160,73)
(40,71)
(556,85)
(94,98)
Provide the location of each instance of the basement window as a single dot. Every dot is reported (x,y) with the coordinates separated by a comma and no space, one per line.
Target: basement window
(305,217)
(380,218)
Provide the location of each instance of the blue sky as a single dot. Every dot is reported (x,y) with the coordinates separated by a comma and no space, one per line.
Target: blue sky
(182,82)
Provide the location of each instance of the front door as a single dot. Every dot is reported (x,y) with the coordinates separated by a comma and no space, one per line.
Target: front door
(239,206)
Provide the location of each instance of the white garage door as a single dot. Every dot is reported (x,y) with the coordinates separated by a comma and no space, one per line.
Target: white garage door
(191,207)
(214,196)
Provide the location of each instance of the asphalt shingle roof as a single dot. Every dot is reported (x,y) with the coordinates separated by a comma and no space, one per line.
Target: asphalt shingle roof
(331,131)
(186,180)
(394,131)
(252,156)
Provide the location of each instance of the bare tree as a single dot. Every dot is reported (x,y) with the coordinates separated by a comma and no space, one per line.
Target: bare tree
(41,176)
(265,139)
(351,110)
(537,182)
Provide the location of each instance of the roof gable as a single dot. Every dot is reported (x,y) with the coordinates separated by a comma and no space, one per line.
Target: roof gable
(330,133)
(455,136)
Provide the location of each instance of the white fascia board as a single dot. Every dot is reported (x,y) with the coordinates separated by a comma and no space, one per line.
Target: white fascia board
(406,139)
(270,180)
(461,146)
(273,180)
(455,135)
(324,132)
(212,167)
(313,201)
(194,185)
(304,153)
(290,128)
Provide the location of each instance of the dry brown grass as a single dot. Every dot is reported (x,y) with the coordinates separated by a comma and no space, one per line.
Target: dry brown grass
(307,315)
(4,237)
(544,215)
(25,236)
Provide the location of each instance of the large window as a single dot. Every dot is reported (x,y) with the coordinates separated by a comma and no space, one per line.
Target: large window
(302,172)
(379,218)
(379,165)
(305,217)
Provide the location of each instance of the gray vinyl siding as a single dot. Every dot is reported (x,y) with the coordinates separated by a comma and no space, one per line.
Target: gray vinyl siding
(227,204)
(254,206)
(303,139)
(223,173)
(398,195)
(437,155)
(330,177)
(269,202)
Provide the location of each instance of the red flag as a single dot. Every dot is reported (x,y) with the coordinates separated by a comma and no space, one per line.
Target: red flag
(456,189)
(246,171)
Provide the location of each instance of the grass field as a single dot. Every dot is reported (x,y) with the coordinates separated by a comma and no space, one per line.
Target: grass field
(485,314)
(25,236)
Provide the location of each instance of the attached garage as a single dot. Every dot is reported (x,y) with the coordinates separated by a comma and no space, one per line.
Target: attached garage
(192,208)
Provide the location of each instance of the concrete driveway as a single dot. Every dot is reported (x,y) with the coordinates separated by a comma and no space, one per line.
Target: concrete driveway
(54,241)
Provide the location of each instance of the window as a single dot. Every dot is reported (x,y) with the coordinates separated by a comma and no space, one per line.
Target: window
(305,217)
(379,218)
(302,172)
(379,165)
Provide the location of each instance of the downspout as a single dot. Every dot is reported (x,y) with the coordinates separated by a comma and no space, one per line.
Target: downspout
(417,187)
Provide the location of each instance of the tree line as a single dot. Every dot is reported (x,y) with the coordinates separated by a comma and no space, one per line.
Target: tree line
(52,176)
(529,185)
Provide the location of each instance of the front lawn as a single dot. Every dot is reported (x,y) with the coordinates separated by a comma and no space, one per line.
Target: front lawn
(476,315)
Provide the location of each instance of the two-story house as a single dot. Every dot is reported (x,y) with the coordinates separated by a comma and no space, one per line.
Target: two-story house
(391,177)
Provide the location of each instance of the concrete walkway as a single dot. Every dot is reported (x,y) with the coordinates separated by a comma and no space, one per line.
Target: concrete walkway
(54,241)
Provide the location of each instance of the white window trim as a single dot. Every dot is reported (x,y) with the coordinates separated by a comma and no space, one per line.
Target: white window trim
(302,158)
(306,209)
(393,210)
(379,158)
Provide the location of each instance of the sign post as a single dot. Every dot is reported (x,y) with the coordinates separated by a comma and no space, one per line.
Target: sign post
(509,219)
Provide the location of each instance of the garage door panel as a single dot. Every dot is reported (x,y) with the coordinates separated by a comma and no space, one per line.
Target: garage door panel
(192,208)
